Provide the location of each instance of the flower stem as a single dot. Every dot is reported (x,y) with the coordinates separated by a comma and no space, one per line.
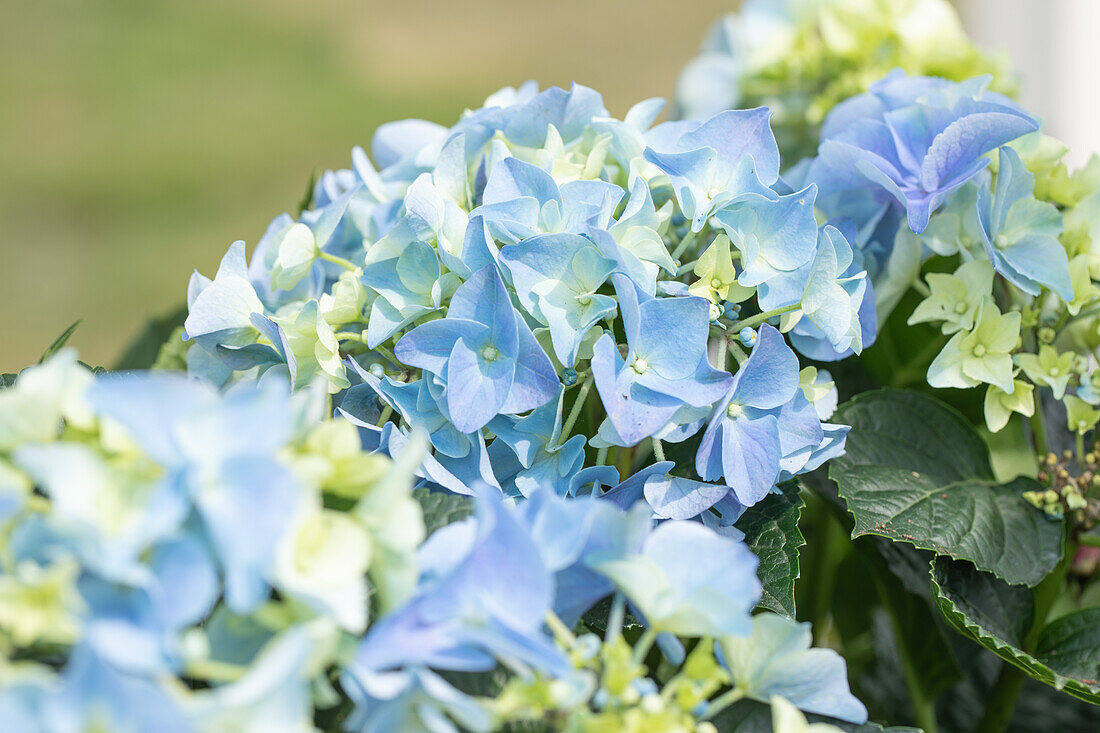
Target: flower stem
(686,267)
(762,317)
(336,260)
(615,617)
(1038,428)
(578,405)
(384,416)
(601,456)
(658,450)
(1001,700)
(643,645)
(723,701)
(560,630)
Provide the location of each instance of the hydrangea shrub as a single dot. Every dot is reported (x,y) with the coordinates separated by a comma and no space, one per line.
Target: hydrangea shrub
(519,424)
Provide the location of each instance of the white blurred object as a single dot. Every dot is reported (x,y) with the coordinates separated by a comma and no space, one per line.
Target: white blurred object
(1054,45)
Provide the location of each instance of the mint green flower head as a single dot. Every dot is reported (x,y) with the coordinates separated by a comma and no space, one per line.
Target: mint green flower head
(982,355)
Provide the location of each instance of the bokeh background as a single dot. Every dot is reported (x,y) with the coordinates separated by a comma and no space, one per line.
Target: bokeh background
(139,138)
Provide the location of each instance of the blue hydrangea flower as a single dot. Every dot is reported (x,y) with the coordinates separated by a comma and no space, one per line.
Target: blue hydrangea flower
(485,354)
(915,140)
(245,497)
(689,581)
(762,418)
(1020,234)
(527,454)
(777,659)
(556,277)
(665,366)
(710,164)
(484,590)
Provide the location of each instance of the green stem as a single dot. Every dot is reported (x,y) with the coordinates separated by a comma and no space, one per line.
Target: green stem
(924,705)
(212,670)
(561,632)
(761,317)
(615,617)
(686,267)
(601,456)
(1038,428)
(738,354)
(687,241)
(1001,700)
(723,350)
(643,645)
(723,701)
(1080,445)
(346,264)
(578,405)
(384,416)
(658,450)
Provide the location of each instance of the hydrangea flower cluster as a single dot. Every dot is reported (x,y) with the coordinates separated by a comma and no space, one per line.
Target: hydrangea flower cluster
(180,559)
(484,278)
(925,167)
(802,57)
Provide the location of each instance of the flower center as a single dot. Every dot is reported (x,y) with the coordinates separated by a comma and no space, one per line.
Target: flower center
(960,308)
(584,299)
(734,410)
(715,283)
(490,353)
(1054,371)
(640,365)
(979,350)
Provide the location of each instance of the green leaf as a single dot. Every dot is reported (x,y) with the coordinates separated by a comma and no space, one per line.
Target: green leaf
(7,379)
(442,508)
(750,716)
(307,199)
(998,616)
(142,351)
(59,341)
(771,532)
(916,472)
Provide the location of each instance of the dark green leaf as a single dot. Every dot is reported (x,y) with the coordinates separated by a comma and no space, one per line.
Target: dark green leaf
(7,380)
(442,508)
(916,472)
(998,616)
(59,342)
(771,532)
(142,351)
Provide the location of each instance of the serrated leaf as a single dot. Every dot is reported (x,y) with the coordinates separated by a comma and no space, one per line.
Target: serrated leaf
(441,508)
(915,471)
(59,341)
(750,716)
(998,616)
(771,532)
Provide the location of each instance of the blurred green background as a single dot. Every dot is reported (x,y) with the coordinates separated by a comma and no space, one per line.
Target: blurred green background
(139,138)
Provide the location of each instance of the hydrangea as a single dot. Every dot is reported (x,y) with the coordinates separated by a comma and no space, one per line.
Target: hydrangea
(160,532)
(485,277)
(803,57)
